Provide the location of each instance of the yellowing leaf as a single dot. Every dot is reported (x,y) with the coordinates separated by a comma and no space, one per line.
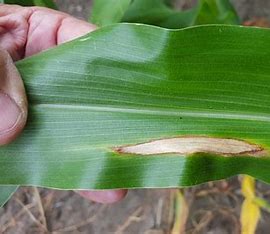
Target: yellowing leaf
(181,213)
(248,187)
(250,213)
(250,216)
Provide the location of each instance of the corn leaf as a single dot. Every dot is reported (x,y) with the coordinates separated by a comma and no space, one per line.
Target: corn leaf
(262,203)
(216,12)
(161,13)
(44,3)
(106,12)
(128,84)
(181,213)
(250,213)
(5,193)
(157,12)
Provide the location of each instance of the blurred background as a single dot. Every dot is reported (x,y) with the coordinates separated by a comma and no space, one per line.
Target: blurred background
(210,208)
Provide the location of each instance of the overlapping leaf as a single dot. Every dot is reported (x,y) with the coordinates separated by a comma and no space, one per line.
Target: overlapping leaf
(160,13)
(106,12)
(44,3)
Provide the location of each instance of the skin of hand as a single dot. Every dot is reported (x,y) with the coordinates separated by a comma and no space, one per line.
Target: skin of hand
(25,31)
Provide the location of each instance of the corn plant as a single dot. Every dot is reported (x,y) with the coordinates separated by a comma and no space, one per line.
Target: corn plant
(140,106)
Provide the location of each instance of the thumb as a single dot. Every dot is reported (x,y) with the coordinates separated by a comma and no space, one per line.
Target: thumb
(13,102)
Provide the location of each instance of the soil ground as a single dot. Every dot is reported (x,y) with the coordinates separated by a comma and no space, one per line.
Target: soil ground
(211,208)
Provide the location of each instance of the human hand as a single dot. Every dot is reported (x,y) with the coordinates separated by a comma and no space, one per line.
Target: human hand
(25,31)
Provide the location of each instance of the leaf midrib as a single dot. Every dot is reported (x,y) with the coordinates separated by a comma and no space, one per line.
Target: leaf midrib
(159,112)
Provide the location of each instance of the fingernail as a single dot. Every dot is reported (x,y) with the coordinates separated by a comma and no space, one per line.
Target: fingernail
(9,113)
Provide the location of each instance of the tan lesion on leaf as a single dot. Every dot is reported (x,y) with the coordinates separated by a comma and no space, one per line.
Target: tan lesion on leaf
(188,145)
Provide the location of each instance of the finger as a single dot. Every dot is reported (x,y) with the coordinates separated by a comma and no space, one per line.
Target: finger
(48,28)
(13,32)
(13,102)
(42,32)
(105,197)
(72,28)
(25,31)
(6,9)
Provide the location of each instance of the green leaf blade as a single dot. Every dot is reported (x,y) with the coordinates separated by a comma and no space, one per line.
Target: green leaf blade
(5,193)
(89,96)
(45,3)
